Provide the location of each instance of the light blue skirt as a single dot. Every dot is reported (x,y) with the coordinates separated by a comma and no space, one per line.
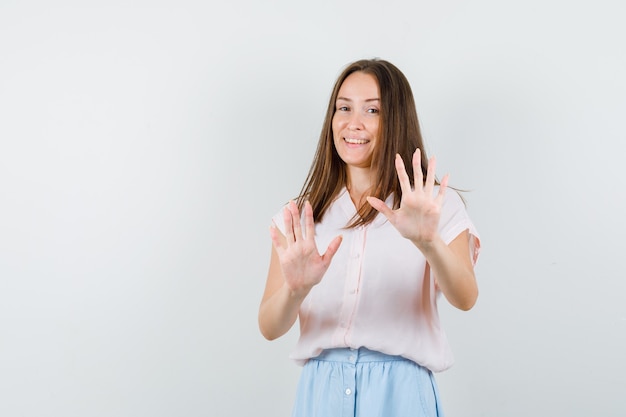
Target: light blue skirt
(365,383)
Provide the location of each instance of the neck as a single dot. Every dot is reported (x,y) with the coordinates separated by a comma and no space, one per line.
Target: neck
(359,184)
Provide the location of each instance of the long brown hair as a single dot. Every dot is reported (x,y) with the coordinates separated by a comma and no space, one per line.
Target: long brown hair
(399,134)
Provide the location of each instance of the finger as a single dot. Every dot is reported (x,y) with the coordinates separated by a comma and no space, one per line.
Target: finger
(278,239)
(288,219)
(418,177)
(332,249)
(297,225)
(381,207)
(430,176)
(403,177)
(443,186)
(309,223)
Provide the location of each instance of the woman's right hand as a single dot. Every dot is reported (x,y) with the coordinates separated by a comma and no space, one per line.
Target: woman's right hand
(295,267)
(302,265)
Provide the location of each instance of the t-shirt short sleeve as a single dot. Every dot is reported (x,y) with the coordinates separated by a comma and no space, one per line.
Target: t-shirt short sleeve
(454,220)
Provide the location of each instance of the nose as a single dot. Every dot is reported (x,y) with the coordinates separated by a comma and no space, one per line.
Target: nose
(355,122)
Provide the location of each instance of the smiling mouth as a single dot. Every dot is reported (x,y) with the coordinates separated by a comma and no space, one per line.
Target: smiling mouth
(356,141)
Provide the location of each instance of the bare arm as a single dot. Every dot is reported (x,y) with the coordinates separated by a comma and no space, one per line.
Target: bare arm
(279,306)
(417,219)
(295,267)
(452,267)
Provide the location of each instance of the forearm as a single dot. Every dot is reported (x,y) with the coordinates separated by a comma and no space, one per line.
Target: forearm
(453,270)
(278,313)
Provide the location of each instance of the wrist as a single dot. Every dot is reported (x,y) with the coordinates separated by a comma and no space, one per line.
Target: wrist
(296,294)
(428,245)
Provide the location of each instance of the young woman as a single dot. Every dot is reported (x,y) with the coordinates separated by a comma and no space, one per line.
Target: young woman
(362,254)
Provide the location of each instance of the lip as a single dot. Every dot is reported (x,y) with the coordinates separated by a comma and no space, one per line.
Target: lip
(355,141)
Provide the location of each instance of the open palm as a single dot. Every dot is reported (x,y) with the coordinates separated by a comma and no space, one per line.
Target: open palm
(300,261)
(417,218)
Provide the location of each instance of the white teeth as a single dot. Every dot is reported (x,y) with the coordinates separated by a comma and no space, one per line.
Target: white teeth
(356,141)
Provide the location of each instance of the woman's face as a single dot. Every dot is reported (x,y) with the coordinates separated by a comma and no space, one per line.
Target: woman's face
(356,119)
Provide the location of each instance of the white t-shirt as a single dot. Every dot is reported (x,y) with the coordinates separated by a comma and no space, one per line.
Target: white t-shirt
(378,292)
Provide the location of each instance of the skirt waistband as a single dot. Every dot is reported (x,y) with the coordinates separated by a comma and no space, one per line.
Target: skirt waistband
(359,355)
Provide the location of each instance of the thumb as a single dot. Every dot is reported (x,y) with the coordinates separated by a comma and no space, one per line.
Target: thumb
(380,205)
(333,246)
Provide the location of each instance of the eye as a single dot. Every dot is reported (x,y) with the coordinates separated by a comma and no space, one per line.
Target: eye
(373,111)
(342,108)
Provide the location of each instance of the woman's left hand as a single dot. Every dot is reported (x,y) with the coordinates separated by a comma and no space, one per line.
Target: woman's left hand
(417,218)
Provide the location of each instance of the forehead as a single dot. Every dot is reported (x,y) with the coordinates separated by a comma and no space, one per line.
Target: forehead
(359,85)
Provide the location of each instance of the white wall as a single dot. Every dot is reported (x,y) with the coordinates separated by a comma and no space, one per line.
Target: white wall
(144,148)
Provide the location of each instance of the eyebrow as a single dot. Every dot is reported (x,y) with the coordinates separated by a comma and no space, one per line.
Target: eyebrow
(367,100)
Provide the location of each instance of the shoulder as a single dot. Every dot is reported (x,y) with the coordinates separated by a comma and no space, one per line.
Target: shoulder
(454,216)
(452,200)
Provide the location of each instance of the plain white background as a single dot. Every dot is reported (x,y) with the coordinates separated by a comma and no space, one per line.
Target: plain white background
(145,145)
